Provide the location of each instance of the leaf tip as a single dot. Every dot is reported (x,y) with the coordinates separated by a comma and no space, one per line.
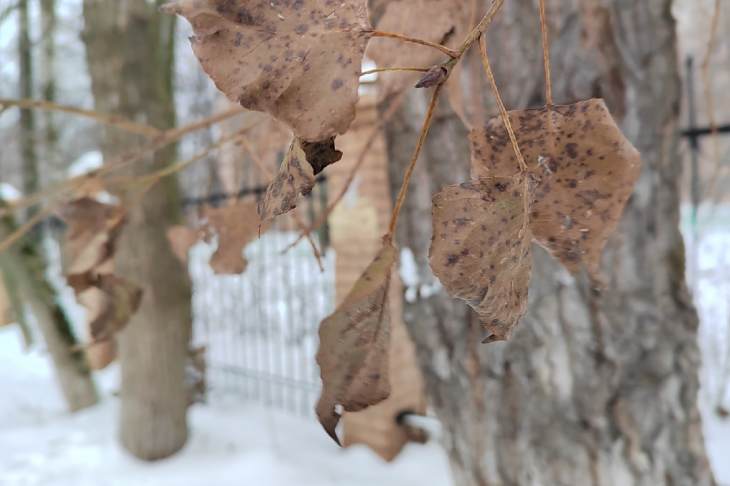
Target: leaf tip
(329,418)
(493,338)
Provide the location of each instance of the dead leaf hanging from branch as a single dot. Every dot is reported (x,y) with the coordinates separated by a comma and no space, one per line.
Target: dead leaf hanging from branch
(296,176)
(296,60)
(90,241)
(480,249)
(235,226)
(584,169)
(354,343)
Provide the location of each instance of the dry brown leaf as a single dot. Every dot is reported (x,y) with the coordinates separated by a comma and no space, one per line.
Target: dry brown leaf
(298,60)
(296,176)
(439,21)
(354,343)
(181,239)
(93,229)
(110,302)
(584,169)
(236,226)
(101,354)
(480,249)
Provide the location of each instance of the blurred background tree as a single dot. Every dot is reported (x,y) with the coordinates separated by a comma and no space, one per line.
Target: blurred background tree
(130,47)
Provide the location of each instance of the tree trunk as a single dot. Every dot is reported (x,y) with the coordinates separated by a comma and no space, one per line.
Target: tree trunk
(23,271)
(48,80)
(591,389)
(130,56)
(25,88)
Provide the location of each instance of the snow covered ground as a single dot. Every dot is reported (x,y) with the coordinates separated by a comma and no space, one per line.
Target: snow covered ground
(231,443)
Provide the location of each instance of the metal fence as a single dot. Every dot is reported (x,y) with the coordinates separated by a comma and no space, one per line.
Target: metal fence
(260,327)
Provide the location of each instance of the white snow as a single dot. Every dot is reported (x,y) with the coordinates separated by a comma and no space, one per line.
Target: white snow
(412,283)
(231,443)
(8,192)
(87,162)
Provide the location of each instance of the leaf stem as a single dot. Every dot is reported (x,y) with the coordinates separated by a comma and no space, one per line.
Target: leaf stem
(504,115)
(500,104)
(472,37)
(546,54)
(414,158)
(413,40)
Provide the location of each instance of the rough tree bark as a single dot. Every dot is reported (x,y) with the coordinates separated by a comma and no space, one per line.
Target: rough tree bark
(591,389)
(130,56)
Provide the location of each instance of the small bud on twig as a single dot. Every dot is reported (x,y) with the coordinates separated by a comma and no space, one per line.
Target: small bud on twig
(433,77)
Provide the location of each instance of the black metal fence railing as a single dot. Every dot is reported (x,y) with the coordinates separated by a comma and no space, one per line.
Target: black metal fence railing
(260,327)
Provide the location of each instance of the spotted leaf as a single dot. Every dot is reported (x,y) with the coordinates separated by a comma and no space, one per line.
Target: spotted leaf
(584,169)
(480,249)
(298,60)
(296,176)
(354,343)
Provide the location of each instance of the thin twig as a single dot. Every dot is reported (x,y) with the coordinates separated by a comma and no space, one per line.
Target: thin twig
(166,138)
(177,133)
(709,95)
(404,38)
(472,37)
(16,235)
(546,54)
(481,27)
(390,69)
(414,158)
(102,118)
(268,174)
(150,179)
